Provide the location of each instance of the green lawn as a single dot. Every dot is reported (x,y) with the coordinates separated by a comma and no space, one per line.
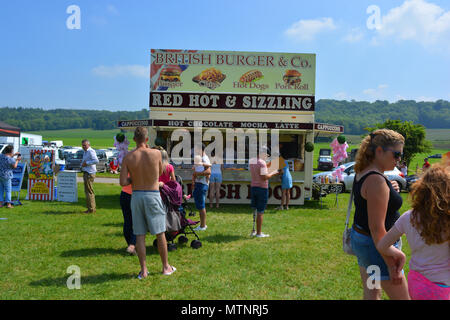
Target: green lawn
(302,259)
(99,139)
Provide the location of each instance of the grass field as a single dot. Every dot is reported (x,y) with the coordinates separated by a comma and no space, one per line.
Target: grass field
(302,259)
(99,138)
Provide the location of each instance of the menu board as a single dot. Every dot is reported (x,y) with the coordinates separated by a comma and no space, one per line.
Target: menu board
(232,72)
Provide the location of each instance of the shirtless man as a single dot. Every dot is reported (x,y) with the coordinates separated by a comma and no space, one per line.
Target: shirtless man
(142,167)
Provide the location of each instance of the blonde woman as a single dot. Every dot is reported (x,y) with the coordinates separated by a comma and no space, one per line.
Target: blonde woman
(377,201)
(168,173)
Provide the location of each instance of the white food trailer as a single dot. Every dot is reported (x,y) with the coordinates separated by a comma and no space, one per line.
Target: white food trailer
(226,100)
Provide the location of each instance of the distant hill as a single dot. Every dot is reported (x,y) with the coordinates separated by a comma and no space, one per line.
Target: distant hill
(357,115)
(353,115)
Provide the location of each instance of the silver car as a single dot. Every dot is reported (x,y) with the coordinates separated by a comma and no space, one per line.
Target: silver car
(317,178)
(349,174)
(392,175)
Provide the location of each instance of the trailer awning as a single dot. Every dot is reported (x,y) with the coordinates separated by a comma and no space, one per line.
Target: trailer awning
(7,130)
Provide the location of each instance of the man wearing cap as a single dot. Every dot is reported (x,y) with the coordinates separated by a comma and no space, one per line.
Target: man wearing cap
(260,188)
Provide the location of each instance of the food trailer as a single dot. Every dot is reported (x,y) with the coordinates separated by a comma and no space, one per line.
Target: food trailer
(232,102)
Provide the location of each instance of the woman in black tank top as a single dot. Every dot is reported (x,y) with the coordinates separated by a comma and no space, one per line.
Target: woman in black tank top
(377,202)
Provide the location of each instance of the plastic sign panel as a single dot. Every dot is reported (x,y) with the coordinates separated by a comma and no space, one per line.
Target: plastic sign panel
(41,175)
(283,77)
(67,186)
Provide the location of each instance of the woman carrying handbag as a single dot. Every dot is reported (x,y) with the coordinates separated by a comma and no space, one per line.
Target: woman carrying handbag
(377,201)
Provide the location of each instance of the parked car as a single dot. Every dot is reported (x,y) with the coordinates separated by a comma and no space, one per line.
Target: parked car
(349,174)
(410,181)
(325,163)
(393,175)
(318,176)
(74,162)
(437,156)
(103,163)
(109,153)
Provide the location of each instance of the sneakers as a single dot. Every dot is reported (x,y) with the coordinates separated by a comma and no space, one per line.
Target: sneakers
(262,235)
(200,228)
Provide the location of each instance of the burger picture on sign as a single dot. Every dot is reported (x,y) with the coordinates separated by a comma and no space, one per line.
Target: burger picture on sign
(292,77)
(170,77)
(170,74)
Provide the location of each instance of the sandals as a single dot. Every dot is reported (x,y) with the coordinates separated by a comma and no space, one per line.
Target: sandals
(169,273)
(140,277)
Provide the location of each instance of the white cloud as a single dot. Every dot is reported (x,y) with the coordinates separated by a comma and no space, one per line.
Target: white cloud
(341,96)
(306,30)
(376,93)
(415,20)
(138,71)
(355,35)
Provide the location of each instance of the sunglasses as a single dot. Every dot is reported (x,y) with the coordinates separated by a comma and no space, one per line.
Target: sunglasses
(397,154)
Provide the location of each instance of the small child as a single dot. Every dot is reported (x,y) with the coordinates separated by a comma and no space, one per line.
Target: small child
(200,166)
(427,229)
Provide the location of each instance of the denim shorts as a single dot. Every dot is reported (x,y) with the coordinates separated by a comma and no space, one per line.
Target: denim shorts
(199,194)
(259,197)
(215,178)
(368,255)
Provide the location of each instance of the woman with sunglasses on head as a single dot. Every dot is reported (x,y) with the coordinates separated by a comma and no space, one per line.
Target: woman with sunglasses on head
(377,201)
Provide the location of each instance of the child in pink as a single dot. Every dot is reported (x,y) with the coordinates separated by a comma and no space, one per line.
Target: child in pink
(427,229)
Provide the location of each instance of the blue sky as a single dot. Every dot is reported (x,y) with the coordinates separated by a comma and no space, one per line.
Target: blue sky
(104,65)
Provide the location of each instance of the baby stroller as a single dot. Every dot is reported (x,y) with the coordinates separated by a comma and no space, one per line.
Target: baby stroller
(178,225)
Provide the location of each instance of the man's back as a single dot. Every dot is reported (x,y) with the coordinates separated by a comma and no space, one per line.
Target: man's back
(145,167)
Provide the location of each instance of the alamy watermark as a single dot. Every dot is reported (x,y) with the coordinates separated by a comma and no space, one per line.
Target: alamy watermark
(374,20)
(373,281)
(74,281)
(74,20)
(240,145)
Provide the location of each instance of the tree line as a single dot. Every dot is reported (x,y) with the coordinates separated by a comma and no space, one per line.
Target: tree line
(355,116)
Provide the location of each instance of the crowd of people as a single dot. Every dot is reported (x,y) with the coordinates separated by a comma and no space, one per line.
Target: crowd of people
(377,227)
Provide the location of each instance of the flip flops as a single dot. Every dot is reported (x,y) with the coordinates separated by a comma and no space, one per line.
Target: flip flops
(169,273)
(140,277)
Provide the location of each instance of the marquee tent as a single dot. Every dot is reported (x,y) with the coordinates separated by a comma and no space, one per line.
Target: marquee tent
(9,130)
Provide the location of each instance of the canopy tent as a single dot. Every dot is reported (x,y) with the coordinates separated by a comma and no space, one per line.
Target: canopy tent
(9,130)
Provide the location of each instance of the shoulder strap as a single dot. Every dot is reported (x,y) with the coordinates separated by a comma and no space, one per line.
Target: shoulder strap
(349,208)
